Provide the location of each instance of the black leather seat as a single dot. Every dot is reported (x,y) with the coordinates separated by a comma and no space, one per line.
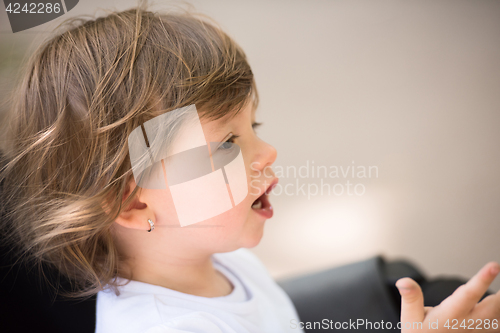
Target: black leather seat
(363,290)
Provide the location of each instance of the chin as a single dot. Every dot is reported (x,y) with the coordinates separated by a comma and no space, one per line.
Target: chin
(252,240)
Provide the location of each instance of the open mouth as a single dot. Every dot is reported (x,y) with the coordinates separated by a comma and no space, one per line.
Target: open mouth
(262,205)
(261,202)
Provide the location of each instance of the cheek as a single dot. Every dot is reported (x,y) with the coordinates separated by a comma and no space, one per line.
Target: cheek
(229,228)
(163,206)
(254,179)
(230,222)
(223,232)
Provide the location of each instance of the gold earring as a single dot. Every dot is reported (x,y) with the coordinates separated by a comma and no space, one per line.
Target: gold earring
(151,225)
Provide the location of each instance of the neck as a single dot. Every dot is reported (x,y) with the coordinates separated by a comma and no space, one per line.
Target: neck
(193,274)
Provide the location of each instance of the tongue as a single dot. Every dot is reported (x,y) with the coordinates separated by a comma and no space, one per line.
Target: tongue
(257,204)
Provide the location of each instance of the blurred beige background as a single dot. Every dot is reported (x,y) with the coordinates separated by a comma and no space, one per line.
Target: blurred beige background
(409,87)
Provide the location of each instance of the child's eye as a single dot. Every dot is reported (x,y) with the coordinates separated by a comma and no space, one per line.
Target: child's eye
(255,125)
(228,143)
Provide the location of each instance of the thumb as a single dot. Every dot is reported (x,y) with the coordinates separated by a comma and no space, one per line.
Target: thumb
(412,301)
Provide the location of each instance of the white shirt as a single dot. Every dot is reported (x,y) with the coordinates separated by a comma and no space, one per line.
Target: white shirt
(256,304)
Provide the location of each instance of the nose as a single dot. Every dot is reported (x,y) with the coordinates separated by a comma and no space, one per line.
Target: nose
(264,157)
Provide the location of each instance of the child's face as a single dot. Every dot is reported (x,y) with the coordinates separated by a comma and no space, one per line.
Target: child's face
(241,226)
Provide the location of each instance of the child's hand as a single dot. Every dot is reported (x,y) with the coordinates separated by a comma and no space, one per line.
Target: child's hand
(460,312)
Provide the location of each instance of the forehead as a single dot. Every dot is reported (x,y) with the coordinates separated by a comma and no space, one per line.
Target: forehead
(247,113)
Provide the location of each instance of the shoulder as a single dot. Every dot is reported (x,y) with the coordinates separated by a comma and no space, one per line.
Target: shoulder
(119,313)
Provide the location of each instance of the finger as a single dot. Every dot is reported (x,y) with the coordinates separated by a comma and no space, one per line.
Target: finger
(467,296)
(412,301)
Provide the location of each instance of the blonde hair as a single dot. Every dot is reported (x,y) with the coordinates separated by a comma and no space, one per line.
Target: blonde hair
(82,93)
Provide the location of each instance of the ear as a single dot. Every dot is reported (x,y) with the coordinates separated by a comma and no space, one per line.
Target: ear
(136,215)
